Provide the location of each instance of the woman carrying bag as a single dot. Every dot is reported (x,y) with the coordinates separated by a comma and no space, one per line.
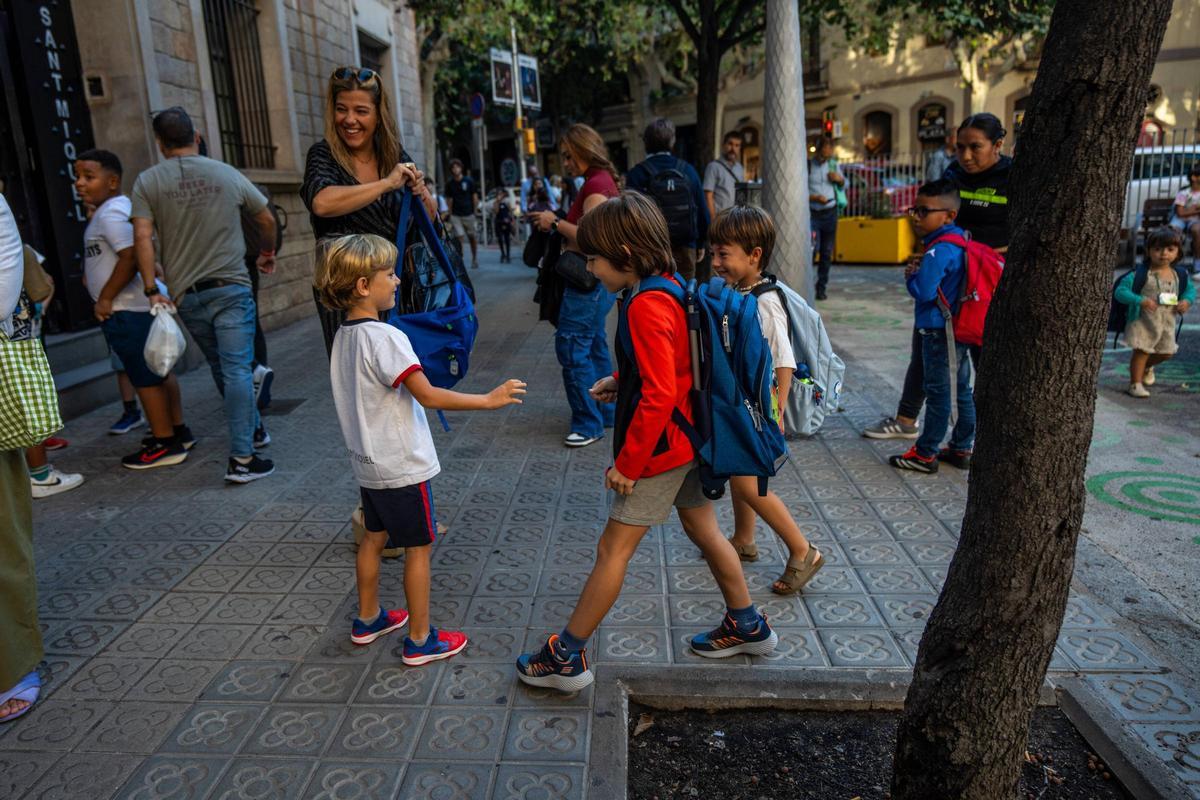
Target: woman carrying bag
(580,341)
(28,414)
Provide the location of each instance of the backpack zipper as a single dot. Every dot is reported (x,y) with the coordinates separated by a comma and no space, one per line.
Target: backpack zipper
(725,334)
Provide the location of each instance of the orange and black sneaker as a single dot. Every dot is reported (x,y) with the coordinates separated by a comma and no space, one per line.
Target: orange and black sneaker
(156,453)
(915,461)
(729,640)
(552,667)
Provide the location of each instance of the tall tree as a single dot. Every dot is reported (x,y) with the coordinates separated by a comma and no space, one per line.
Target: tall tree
(715,27)
(990,638)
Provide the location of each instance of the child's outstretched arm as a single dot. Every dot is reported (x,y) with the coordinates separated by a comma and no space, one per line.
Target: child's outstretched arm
(431,397)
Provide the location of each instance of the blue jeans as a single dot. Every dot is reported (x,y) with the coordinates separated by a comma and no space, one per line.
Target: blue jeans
(936,358)
(581,344)
(221,320)
(824,226)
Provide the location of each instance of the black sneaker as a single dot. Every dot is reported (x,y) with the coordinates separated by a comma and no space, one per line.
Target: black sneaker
(184,437)
(253,470)
(955,458)
(261,438)
(156,454)
(915,461)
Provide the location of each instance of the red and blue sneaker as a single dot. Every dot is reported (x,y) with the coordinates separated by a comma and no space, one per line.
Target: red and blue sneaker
(728,640)
(547,669)
(437,645)
(386,622)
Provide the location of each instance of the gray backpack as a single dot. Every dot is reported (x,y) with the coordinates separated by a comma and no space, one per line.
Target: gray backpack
(817,383)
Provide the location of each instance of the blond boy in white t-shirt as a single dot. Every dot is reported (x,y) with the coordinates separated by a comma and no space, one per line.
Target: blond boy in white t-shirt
(741,240)
(381,394)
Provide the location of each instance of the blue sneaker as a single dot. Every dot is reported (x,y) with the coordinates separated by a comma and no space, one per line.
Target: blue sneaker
(128,421)
(437,645)
(548,670)
(388,621)
(727,640)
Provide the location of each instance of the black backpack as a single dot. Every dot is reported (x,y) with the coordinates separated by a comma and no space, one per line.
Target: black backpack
(671,192)
(1118,313)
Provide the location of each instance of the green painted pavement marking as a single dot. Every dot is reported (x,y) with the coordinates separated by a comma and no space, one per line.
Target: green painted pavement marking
(1148,460)
(1162,495)
(1138,423)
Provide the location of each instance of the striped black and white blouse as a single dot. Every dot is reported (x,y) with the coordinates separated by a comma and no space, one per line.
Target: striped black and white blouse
(321,169)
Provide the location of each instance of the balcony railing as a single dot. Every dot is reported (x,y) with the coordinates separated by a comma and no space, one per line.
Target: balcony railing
(816,81)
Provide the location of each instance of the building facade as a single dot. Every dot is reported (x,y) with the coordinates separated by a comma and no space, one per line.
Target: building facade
(251,73)
(900,103)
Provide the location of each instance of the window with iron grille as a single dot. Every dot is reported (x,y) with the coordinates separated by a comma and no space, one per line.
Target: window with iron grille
(236,60)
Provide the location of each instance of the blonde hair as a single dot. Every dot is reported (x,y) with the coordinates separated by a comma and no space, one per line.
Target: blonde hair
(629,231)
(344,260)
(385,142)
(586,145)
(746,226)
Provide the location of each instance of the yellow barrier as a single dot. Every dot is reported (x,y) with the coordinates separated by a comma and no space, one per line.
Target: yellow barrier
(864,240)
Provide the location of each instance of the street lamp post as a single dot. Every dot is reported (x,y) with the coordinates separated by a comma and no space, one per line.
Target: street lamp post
(785,154)
(520,133)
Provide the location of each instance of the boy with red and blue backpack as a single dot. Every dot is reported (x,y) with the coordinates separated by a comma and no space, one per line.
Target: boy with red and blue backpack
(662,439)
(937,286)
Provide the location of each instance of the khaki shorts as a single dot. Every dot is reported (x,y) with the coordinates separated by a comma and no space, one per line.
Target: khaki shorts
(654,497)
(462,226)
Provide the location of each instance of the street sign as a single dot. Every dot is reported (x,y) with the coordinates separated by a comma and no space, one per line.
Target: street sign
(503,79)
(508,172)
(477,122)
(476,105)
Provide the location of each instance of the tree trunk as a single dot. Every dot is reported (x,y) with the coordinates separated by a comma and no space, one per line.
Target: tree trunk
(990,638)
(708,64)
(429,68)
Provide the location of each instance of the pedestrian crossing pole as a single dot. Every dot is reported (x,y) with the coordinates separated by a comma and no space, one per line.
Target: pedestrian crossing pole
(785,151)
(520,121)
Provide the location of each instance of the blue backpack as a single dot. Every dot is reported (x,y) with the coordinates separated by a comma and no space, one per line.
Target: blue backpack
(733,430)
(442,337)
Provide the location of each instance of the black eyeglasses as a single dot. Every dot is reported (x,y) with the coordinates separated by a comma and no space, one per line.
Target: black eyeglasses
(360,74)
(921,212)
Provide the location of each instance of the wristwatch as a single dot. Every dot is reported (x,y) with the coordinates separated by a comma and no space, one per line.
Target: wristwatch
(554,226)
(150,291)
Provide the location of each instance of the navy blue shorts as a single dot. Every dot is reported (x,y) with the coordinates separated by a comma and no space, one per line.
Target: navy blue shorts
(126,333)
(406,514)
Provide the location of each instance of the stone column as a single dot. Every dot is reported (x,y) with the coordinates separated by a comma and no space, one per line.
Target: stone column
(785,151)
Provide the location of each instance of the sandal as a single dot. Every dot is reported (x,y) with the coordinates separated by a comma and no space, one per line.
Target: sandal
(746,552)
(798,573)
(27,691)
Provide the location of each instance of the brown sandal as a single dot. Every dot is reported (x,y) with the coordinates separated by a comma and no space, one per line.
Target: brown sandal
(798,573)
(746,552)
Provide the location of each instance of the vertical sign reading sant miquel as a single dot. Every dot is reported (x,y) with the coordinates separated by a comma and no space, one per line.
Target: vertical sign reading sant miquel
(57,127)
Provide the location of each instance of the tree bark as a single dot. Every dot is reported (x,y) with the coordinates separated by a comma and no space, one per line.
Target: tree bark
(990,638)
(708,63)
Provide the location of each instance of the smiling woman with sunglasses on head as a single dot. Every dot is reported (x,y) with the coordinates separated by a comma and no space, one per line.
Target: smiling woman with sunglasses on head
(352,175)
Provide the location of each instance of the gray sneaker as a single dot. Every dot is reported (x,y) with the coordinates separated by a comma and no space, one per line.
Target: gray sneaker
(891,428)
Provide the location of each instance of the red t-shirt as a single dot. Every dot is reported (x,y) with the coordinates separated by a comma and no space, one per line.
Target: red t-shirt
(660,346)
(596,181)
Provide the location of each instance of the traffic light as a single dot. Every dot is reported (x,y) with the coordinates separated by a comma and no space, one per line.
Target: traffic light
(827,123)
(530,142)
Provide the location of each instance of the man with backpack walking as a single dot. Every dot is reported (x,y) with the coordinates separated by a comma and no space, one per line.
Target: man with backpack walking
(674,186)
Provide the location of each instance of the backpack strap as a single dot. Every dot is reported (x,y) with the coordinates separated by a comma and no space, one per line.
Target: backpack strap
(948,316)
(408,206)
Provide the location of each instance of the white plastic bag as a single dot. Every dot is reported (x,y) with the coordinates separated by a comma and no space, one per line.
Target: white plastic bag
(165,342)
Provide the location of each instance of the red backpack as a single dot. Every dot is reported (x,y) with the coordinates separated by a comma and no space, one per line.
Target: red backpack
(966,315)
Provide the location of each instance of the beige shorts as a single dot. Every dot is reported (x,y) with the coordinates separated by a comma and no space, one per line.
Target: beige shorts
(1153,332)
(462,226)
(654,497)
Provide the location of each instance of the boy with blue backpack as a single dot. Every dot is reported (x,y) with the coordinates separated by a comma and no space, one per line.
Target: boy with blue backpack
(936,285)
(657,463)
(742,238)
(381,391)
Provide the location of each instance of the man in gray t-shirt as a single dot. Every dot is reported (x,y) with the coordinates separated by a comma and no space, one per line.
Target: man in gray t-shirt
(195,205)
(722,176)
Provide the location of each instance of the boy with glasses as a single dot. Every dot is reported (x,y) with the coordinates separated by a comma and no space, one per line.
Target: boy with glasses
(941,270)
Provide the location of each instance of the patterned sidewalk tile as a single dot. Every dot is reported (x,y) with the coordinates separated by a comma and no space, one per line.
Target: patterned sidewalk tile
(207,653)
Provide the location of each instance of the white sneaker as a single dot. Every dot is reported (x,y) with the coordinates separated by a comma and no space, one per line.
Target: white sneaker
(1148,378)
(1137,390)
(54,483)
(579,440)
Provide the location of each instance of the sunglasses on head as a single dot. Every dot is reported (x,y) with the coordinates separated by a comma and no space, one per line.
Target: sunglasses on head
(360,74)
(921,212)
